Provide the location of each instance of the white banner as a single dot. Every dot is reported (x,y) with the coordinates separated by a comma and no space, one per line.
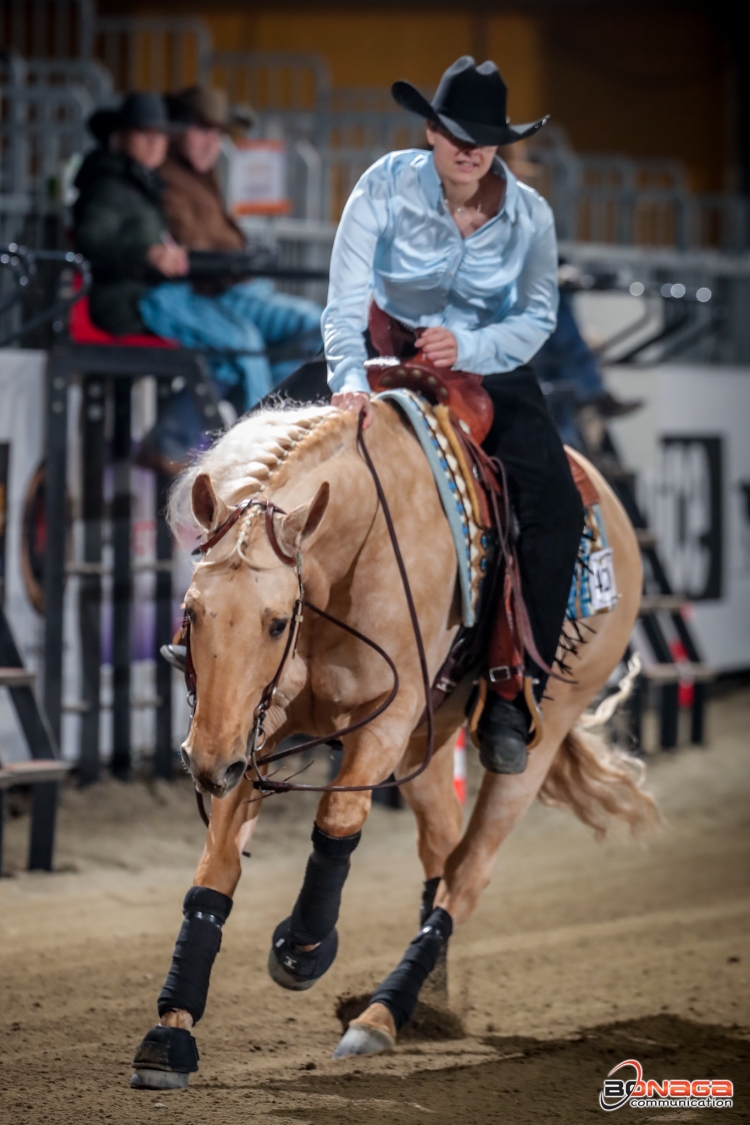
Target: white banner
(690,448)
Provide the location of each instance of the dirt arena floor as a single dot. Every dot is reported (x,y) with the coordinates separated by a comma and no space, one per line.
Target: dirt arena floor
(579,956)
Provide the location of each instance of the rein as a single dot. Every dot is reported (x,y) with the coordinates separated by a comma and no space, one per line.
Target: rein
(257,737)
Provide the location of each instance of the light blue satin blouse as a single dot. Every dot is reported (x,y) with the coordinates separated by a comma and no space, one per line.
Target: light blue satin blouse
(398,244)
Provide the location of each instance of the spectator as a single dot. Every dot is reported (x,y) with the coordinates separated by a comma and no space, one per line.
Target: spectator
(118,221)
(138,267)
(570,377)
(199,220)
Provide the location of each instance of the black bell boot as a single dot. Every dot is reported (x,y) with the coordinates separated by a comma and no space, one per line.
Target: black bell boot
(503,731)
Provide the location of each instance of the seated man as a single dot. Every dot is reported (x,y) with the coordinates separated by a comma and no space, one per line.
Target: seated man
(198,220)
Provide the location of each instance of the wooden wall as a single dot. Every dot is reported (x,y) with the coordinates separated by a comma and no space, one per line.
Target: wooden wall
(639,79)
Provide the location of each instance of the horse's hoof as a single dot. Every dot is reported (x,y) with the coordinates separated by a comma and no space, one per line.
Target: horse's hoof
(144,1079)
(362,1039)
(165,1059)
(296,969)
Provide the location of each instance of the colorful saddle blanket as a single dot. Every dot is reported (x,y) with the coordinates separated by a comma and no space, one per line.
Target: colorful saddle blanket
(593,586)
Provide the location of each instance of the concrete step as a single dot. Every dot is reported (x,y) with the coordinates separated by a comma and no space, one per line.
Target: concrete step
(16,677)
(667,603)
(685,671)
(33,771)
(645,537)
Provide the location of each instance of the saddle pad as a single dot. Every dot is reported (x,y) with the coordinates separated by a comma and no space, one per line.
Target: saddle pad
(592,589)
(471,542)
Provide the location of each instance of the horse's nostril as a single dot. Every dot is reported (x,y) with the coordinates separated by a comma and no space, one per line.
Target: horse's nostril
(233,773)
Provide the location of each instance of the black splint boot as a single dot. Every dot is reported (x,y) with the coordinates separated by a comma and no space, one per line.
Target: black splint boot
(165,1059)
(503,731)
(299,969)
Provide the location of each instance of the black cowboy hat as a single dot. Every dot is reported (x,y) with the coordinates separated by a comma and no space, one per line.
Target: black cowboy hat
(208,108)
(136,111)
(470,103)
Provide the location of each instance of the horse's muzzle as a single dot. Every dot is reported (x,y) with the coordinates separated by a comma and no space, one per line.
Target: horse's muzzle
(218,780)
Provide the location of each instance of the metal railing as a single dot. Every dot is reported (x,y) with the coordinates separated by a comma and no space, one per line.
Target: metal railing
(153,53)
(333,134)
(45,29)
(40,130)
(271,81)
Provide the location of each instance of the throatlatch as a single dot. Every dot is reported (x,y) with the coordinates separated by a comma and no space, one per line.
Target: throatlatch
(400,989)
(198,942)
(313,919)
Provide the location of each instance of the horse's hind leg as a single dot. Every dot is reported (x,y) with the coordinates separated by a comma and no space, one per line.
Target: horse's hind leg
(439,817)
(168,1054)
(438,812)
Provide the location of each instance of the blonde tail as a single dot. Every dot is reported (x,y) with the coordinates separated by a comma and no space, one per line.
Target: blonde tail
(596,783)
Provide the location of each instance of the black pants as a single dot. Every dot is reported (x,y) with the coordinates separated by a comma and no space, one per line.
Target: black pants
(544,498)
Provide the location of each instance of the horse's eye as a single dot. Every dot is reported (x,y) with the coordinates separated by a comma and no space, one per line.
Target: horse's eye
(277,626)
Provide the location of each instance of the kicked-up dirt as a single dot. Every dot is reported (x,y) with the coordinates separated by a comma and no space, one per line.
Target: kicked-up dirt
(580,956)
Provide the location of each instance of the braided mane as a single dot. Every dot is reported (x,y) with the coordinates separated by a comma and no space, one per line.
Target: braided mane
(243,460)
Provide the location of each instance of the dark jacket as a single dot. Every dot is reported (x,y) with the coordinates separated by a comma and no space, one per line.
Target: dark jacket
(117,217)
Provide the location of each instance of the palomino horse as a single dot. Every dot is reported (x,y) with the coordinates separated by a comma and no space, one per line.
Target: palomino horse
(239,606)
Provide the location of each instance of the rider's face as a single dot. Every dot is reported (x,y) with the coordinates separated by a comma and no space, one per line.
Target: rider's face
(458,161)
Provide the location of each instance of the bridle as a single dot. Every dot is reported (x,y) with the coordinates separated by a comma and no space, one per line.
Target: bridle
(255,760)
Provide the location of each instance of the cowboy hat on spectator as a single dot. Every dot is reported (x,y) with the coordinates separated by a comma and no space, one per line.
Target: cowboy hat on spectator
(136,111)
(208,108)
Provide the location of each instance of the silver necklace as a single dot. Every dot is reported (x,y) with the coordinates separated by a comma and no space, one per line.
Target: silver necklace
(461,210)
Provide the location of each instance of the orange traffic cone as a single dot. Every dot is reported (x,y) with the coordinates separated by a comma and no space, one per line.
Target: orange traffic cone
(459,765)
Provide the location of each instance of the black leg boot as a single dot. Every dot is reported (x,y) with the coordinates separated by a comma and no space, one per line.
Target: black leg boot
(503,731)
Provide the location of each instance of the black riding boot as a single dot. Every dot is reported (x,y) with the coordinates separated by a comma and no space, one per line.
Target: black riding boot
(503,731)
(549,513)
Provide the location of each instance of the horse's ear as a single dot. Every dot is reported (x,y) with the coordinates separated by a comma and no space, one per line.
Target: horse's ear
(303,521)
(208,508)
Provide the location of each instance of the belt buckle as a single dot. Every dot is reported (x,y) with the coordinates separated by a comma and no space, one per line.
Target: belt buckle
(499,674)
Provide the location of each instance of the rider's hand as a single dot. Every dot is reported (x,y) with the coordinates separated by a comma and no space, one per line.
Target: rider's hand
(357,401)
(171,260)
(439,345)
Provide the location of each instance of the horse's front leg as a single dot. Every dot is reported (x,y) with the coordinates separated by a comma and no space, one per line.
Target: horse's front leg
(305,944)
(168,1054)
(439,816)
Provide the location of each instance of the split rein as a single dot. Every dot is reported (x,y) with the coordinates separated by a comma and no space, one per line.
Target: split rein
(258,736)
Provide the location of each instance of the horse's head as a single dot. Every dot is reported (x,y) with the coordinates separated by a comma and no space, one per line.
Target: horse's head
(239,606)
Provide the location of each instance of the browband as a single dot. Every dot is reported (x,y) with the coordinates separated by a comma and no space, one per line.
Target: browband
(270,510)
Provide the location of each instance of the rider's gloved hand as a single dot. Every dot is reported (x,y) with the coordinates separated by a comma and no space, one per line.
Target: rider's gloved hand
(357,401)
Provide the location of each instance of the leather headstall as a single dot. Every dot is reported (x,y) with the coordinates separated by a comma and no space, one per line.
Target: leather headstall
(270,509)
(257,736)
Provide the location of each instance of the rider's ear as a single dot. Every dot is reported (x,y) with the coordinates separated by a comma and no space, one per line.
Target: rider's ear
(208,508)
(303,521)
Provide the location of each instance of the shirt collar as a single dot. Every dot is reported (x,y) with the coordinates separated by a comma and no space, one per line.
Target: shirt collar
(431,181)
(510,206)
(434,189)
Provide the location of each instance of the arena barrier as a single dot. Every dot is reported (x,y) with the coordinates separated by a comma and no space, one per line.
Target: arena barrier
(106,376)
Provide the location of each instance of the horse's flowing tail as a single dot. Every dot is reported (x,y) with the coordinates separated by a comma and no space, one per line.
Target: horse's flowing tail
(597,782)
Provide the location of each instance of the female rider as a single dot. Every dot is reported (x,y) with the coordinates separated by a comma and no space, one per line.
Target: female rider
(451,245)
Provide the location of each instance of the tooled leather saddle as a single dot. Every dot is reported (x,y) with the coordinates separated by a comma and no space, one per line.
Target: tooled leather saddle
(496,648)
